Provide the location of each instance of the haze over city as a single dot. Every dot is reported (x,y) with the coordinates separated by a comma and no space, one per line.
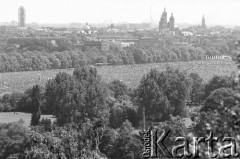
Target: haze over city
(216,12)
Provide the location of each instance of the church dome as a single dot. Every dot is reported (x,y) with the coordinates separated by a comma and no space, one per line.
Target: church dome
(87,27)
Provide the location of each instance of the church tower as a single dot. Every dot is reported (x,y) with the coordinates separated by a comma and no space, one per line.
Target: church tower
(163,21)
(171,23)
(203,22)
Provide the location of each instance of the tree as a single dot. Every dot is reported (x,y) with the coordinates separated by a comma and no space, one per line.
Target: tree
(6,98)
(218,97)
(196,93)
(117,117)
(100,59)
(58,96)
(139,55)
(107,141)
(24,104)
(221,114)
(12,138)
(217,82)
(119,88)
(46,124)
(62,142)
(163,94)
(14,99)
(127,144)
(36,103)
(73,98)
(94,92)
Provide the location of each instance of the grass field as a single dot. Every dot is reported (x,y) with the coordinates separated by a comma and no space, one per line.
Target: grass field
(7,117)
(130,74)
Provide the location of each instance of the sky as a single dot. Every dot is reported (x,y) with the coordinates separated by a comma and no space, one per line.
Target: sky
(216,12)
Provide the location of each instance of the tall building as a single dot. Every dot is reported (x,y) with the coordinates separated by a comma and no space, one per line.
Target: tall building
(164,25)
(21,17)
(171,23)
(203,22)
(163,21)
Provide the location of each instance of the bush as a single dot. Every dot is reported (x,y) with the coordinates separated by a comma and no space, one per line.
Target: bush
(119,88)
(127,144)
(107,141)
(47,124)
(12,138)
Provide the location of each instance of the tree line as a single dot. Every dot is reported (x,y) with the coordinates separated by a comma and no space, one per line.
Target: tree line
(38,54)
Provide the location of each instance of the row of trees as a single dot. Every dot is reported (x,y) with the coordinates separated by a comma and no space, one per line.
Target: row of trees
(29,61)
(35,59)
(169,54)
(33,44)
(89,141)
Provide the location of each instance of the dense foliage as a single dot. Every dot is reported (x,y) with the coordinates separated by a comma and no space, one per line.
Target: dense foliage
(40,54)
(36,104)
(99,120)
(164,93)
(77,97)
(12,137)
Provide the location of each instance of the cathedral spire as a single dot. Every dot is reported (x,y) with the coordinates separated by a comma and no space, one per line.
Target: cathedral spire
(203,22)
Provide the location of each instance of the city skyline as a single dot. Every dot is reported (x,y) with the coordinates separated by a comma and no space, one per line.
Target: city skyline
(216,12)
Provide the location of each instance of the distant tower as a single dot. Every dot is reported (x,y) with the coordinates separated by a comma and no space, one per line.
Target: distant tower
(171,23)
(21,17)
(203,22)
(163,21)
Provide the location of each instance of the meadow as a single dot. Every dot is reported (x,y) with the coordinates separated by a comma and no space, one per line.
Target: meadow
(129,74)
(8,117)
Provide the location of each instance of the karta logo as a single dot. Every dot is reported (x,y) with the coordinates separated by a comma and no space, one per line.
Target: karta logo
(155,146)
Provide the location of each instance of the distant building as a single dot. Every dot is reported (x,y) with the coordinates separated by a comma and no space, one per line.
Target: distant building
(21,17)
(164,25)
(145,42)
(125,44)
(203,22)
(163,21)
(187,33)
(87,29)
(171,23)
(9,29)
(219,57)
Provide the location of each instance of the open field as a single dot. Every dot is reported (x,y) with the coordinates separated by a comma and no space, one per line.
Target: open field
(130,74)
(7,117)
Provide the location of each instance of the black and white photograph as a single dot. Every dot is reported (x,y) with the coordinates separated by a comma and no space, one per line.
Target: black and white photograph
(119,79)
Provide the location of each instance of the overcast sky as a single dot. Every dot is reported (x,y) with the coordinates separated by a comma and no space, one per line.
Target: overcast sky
(217,12)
